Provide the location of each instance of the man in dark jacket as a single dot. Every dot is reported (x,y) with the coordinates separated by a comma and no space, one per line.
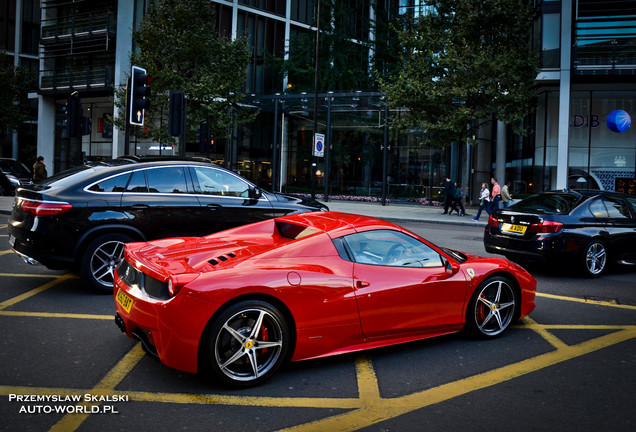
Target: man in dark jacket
(449,194)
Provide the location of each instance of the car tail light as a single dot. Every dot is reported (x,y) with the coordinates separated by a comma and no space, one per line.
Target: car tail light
(40,208)
(176,282)
(546,227)
(492,221)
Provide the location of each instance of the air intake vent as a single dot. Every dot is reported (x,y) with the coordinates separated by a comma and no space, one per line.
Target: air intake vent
(215,261)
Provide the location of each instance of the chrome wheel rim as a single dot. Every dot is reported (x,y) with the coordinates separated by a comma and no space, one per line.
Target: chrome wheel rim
(248,344)
(595,258)
(104,261)
(495,307)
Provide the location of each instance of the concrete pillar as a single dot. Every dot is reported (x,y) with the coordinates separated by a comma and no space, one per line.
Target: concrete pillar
(564,96)
(125,22)
(46,132)
(500,153)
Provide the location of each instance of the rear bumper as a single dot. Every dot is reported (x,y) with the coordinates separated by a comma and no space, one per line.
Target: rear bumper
(543,250)
(170,329)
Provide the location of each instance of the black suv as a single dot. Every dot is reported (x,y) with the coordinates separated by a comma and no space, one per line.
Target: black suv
(81,218)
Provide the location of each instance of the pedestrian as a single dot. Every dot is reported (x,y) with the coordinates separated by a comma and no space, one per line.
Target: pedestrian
(496,195)
(484,201)
(505,194)
(39,170)
(458,201)
(449,194)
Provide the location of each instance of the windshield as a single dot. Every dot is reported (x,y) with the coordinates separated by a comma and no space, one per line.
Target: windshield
(548,203)
(14,167)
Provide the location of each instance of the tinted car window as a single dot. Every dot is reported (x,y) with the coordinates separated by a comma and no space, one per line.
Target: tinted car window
(212,181)
(616,209)
(167,180)
(598,209)
(632,202)
(548,203)
(137,182)
(15,167)
(113,184)
(391,248)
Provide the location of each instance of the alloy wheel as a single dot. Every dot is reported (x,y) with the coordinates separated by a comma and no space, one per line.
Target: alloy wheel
(494,307)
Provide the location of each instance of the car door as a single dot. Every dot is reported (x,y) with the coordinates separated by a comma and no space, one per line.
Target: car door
(227,200)
(161,202)
(401,285)
(621,227)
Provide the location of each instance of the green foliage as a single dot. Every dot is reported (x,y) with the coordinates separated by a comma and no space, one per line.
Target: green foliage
(14,103)
(465,63)
(179,46)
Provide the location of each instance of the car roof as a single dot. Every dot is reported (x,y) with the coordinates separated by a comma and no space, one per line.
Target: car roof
(336,223)
(588,193)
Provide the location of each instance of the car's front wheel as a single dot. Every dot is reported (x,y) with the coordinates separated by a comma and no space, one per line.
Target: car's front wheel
(594,258)
(247,343)
(100,259)
(491,308)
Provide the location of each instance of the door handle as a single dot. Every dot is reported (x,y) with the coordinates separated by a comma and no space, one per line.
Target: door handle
(362,284)
(213,206)
(140,206)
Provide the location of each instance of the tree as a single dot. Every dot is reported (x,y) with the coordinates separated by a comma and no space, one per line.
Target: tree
(14,103)
(180,47)
(465,63)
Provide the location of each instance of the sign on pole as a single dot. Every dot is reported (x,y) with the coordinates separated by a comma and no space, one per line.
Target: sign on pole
(319,145)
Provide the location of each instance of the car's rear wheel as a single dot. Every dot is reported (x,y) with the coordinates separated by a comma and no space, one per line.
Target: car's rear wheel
(491,308)
(247,343)
(100,259)
(594,258)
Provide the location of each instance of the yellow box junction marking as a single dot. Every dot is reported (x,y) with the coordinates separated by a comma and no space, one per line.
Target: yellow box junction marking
(369,407)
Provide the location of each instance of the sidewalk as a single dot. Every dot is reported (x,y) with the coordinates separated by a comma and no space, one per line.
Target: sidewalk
(396,212)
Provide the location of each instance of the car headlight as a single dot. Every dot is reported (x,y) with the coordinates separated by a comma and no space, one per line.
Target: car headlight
(15,182)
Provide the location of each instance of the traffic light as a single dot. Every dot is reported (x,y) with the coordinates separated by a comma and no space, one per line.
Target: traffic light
(139,95)
(203,136)
(73,115)
(176,113)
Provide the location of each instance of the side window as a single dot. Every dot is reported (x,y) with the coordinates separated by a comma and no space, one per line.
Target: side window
(113,184)
(137,182)
(616,209)
(390,248)
(167,180)
(598,209)
(632,203)
(212,181)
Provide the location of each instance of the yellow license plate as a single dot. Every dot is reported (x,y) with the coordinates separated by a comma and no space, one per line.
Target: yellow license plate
(124,301)
(517,229)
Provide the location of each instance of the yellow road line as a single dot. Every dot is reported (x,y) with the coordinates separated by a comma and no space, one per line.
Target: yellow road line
(3,226)
(35,291)
(544,333)
(55,315)
(31,275)
(593,302)
(106,386)
(5,252)
(386,409)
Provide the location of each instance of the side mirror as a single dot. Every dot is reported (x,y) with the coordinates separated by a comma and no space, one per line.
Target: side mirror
(450,268)
(256,193)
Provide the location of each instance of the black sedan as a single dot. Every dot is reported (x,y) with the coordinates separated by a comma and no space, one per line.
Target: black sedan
(588,229)
(81,218)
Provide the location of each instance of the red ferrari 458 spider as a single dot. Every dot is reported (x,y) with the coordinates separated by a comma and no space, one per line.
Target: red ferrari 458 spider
(241,302)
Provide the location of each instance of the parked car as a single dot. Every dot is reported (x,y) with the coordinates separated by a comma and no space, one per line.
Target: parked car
(81,218)
(13,174)
(240,303)
(587,229)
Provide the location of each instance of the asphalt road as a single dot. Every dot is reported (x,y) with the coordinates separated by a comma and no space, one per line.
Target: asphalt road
(569,366)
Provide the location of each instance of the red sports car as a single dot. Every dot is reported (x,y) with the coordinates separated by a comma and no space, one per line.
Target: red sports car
(242,302)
